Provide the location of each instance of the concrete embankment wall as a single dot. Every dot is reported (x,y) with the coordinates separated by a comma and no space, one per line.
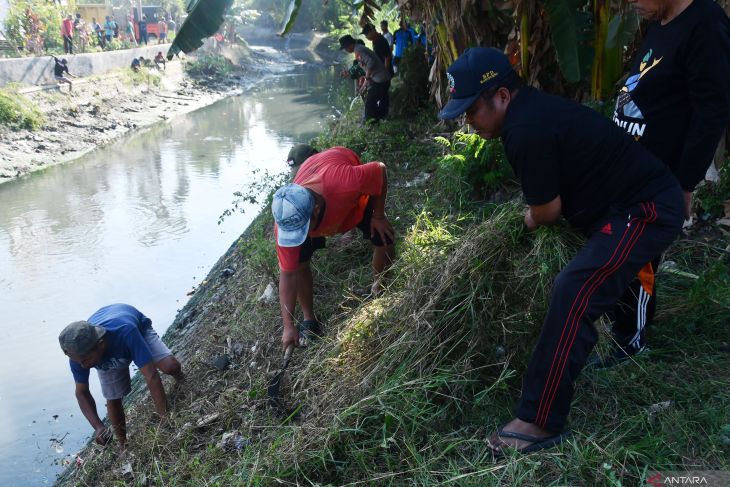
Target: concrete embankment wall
(39,70)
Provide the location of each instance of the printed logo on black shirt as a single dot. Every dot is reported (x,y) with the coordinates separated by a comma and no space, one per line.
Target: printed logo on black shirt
(625,106)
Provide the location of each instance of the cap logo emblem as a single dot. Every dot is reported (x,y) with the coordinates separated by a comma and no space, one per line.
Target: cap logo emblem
(452,88)
(487,76)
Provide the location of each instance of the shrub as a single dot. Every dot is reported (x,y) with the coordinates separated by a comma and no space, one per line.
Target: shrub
(45,22)
(711,197)
(210,65)
(17,112)
(479,164)
(410,90)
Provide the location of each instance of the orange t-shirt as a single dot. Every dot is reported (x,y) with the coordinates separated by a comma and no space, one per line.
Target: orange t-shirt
(346,185)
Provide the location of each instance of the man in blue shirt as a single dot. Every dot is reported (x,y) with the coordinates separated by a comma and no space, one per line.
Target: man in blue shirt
(109,341)
(403,37)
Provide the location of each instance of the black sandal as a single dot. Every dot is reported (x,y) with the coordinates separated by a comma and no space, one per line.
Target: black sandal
(537,442)
(309,332)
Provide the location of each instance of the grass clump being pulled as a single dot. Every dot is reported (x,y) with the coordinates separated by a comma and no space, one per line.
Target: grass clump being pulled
(17,112)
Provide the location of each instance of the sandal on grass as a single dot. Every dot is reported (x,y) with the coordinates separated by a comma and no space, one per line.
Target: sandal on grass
(309,332)
(537,442)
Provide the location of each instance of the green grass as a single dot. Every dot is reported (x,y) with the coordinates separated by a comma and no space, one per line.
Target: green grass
(17,112)
(405,388)
(144,76)
(212,65)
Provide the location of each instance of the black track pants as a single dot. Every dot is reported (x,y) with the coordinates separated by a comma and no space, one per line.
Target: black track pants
(590,285)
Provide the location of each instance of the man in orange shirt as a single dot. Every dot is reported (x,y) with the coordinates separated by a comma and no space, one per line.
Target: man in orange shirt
(333,192)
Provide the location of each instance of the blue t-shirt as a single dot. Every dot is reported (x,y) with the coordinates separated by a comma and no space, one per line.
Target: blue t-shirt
(125,326)
(402,38)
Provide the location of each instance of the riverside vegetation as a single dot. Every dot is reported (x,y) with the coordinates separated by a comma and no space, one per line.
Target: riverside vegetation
(405,388)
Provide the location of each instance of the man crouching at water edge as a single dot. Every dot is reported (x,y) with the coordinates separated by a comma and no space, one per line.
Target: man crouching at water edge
(333,192)
(113,337)
(571,161)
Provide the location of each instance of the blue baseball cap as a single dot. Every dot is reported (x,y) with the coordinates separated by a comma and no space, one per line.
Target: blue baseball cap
(292,208)
(475,71)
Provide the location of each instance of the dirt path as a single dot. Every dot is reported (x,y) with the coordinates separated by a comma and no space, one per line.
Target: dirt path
(98,111)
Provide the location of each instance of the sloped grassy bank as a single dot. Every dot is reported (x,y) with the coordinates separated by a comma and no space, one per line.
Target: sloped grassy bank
(405,388)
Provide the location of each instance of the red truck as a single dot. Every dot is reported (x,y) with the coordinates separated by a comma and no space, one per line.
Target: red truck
(153,13)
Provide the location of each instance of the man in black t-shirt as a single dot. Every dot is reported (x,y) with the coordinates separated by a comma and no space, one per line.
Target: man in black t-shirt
(573,162)
(676,102)
(59,68)
(380,46)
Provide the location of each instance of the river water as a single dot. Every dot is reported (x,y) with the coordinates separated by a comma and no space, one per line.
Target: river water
(134,222)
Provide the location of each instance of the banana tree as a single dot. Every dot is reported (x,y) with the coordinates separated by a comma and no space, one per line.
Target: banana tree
(589,39)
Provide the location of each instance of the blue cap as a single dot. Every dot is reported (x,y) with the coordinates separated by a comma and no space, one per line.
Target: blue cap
(292,208)
(477,70)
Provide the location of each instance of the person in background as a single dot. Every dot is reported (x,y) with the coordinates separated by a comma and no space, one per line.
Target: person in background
(163,31)
(160,61)
(81,37)
(676,103)
(298,154)
(112,338)
(115,27)
(130,31)
(99,32)
(67,31)
(172,28)
(142,24)
(571,162)
(61,67)
(386,33)
(376,75)
(402,39)
(380,46)
(332,193)
(108,28)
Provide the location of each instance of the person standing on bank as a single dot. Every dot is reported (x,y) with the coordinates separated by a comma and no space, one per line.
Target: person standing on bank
(113,337)
(571,161)
(380,46)
(676,103)
(378,78)
(386,33)
(332,193)
(67,31)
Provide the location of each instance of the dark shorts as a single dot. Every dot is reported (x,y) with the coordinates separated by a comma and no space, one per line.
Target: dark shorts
(316,243)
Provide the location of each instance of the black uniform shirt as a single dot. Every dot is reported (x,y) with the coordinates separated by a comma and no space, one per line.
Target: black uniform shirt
(383,51)
(676,99)
(557,147)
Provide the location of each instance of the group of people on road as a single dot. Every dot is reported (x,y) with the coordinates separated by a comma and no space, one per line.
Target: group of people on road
(76,33)
(625,183)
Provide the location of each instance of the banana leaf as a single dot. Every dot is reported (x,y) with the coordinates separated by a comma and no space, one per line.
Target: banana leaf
(572,34)
(291,15)
(204,19)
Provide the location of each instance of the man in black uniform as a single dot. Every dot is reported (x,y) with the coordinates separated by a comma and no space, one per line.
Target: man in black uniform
(570,161)
(676,102)
(380,46)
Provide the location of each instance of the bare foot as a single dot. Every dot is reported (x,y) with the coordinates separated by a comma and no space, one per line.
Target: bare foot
(498,444)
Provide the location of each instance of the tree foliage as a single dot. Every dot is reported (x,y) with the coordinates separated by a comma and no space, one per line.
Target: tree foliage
(33,22)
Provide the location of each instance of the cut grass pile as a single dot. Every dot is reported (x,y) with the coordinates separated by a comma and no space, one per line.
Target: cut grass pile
(405,388)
